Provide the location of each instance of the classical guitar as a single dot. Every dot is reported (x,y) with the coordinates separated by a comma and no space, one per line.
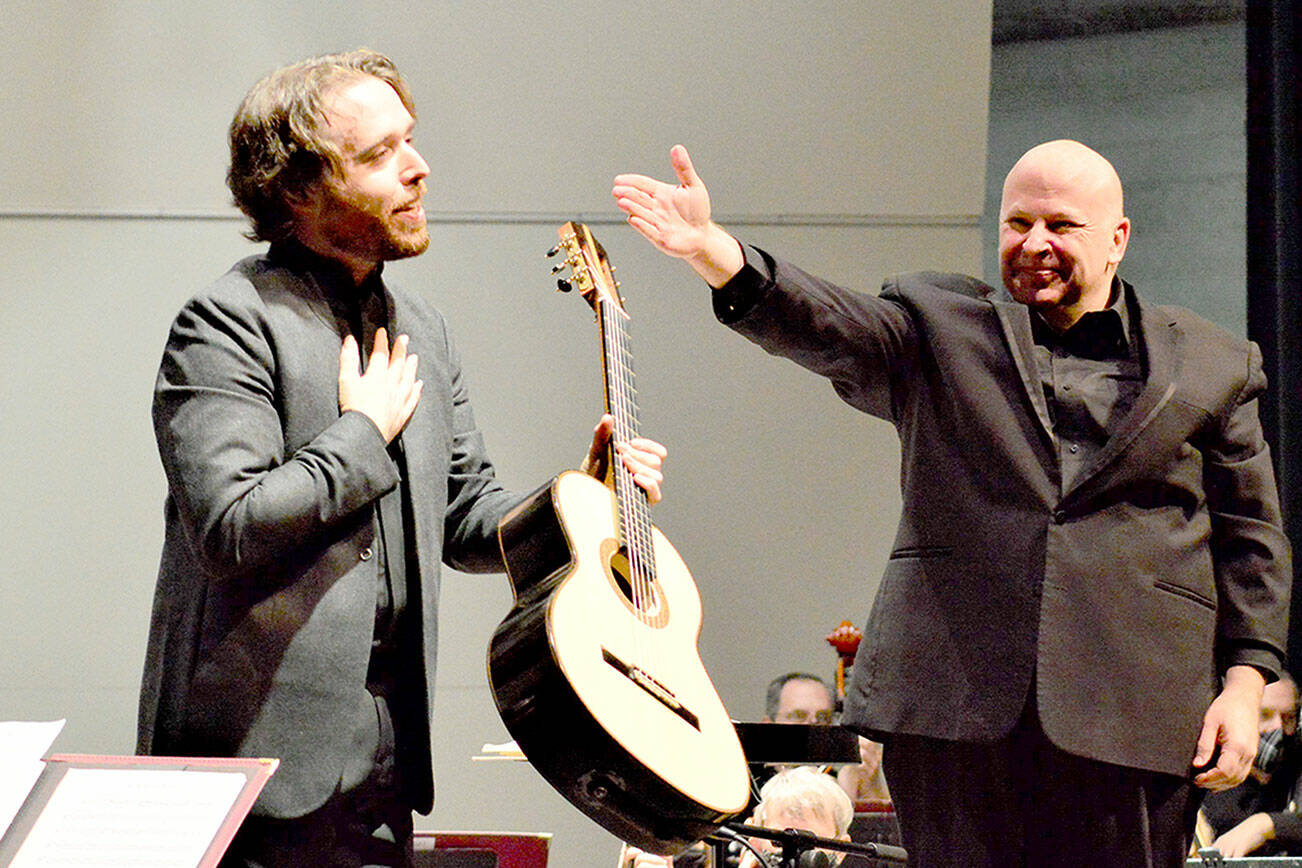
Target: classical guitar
(595,670)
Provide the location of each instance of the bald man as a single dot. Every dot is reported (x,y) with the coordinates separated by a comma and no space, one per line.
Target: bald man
(1089,584)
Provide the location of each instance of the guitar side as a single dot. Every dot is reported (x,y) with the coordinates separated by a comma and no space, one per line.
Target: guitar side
(608,697)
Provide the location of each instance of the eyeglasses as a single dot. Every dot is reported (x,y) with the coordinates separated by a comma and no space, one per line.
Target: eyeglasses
(822,717)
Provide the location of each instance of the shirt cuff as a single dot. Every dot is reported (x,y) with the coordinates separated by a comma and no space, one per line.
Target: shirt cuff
(734,299)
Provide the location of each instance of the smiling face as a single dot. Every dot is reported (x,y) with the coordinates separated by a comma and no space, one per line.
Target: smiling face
(1062,231)
(369,209)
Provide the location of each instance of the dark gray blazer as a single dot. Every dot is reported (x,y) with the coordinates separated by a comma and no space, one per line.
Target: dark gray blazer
(1124,597)
(266,593)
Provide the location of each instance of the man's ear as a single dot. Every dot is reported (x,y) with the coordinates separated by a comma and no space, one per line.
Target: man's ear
(1120,238)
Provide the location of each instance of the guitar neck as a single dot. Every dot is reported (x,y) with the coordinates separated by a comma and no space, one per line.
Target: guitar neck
(621,403)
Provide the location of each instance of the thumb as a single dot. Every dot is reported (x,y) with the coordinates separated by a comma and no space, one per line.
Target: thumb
(683,167)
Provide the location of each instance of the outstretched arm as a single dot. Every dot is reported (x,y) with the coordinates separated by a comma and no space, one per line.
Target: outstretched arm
(676,219)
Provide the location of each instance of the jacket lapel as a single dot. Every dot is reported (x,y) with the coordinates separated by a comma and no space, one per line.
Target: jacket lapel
(1160,340)
(1015,319)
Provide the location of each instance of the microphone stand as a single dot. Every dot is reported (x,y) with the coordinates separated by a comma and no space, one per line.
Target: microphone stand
(794,842)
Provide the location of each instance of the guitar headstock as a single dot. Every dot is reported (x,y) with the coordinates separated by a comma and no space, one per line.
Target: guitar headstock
(591,272)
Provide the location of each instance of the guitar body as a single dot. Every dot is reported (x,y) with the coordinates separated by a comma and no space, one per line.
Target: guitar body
(603,687)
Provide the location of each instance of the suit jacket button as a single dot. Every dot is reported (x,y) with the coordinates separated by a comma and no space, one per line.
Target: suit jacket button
(1059,516)
(366,554)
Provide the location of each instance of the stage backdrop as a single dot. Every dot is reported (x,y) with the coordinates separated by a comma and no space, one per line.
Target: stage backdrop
(849,136)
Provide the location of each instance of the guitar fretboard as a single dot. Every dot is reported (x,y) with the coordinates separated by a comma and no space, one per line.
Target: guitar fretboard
(621,403)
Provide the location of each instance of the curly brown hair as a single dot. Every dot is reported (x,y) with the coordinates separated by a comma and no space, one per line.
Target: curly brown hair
(278,150)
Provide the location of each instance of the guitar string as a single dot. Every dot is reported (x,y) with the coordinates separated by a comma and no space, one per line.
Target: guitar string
(646,563)
(632,499)
(625,499)
(628,499)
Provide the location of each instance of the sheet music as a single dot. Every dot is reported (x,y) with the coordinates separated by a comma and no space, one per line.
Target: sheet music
(22,745)
(130,818)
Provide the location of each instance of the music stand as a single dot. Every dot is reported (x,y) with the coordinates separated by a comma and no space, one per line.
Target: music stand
(132,810)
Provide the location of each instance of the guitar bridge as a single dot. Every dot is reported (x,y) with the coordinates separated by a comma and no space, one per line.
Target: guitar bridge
(657,691)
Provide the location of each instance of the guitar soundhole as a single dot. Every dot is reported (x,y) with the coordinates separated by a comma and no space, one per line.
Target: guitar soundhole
(646,601)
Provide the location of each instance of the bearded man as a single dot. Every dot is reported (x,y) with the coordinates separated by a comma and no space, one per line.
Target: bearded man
(311,499)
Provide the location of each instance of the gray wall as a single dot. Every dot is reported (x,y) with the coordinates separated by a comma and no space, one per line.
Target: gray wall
(848,135)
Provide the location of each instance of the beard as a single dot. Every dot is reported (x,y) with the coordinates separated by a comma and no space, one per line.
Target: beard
(372,229)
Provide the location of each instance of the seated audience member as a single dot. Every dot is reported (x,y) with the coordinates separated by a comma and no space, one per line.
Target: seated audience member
(865,783)
(799,697)
(1260,816)
(800,798)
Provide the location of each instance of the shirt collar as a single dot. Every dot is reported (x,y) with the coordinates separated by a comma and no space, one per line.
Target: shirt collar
(1098,334)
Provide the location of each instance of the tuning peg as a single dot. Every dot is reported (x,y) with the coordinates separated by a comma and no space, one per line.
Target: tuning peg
(557,269)
(563,285)
(555,250)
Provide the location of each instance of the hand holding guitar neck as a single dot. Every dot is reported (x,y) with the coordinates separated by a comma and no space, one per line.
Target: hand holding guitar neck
(641,457)
(595,670)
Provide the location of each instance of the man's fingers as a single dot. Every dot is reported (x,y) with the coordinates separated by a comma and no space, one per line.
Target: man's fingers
(380,351)
(350,359)
(397,354)
(413,398)
(642,444)
(1206,744)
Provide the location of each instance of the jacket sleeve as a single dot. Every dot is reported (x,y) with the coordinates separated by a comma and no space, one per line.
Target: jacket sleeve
(217,420)
(864,344)
(476,500)
(1250,552)
(1288,829)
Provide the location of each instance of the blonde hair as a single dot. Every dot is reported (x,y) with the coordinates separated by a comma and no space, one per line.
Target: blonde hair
(807,794)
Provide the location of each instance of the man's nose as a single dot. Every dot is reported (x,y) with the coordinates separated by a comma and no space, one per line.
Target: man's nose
(1037,238)
(415,168)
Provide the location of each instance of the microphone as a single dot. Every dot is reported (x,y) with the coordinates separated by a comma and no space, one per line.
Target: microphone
(813,859)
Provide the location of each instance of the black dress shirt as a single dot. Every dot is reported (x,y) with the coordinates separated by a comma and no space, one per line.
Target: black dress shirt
(1091,373)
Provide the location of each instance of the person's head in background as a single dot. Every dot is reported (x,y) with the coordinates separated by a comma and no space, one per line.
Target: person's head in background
(799,697)
(1277,727)
(801,798)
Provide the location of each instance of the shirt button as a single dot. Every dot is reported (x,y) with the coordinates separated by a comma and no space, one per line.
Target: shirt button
(1073,449)
(366,554)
